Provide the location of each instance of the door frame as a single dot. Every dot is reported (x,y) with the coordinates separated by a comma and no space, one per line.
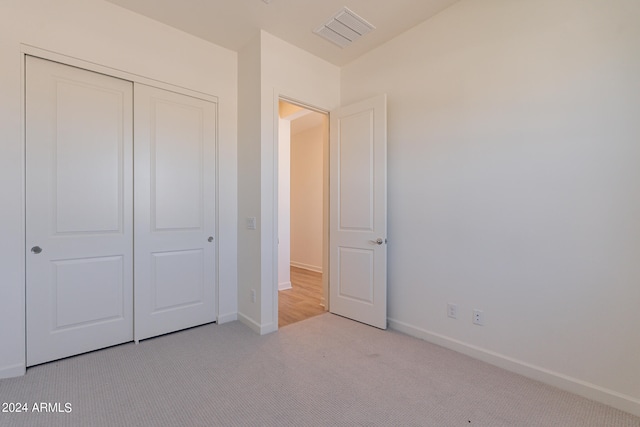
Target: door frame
(283,96)
(29,50)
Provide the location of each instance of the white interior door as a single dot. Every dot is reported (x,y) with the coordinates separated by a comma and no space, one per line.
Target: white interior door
(78,211)
(358,212)
(175,260)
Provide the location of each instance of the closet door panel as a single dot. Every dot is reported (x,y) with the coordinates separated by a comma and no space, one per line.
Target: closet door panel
(175,259)
(79,210)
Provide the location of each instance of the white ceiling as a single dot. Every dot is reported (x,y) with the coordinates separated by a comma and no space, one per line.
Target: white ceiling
(233,23)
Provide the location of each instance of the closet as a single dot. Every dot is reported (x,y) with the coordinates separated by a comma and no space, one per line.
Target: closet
(120,210)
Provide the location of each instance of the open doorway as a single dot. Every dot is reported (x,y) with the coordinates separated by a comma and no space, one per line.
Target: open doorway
(302,177)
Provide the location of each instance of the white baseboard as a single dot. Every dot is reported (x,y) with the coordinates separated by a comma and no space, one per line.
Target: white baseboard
(306,266)
(284,286)
(268,328)
(590,391)
(226,318)
(256,327)
(13,371)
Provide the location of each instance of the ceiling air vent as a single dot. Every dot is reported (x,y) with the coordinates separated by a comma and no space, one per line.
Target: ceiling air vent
(344,28)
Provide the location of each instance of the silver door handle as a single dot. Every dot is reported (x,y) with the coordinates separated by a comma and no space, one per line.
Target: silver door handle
(210,239)
(378,241)
(36,250)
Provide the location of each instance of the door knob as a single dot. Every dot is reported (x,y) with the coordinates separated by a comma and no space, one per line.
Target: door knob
(378,241)
(210,239)
(36,250)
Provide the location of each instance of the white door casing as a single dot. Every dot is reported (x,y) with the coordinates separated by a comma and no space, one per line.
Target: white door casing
(79,233)
(175,248)
(358,212)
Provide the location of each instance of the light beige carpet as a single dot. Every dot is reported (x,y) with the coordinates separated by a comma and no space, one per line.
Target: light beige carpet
(325,371)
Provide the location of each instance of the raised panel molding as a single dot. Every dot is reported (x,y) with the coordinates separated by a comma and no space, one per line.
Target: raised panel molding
(170,287)
(177,170)
(356,282)
(95,282)
(87,164)
(356,196)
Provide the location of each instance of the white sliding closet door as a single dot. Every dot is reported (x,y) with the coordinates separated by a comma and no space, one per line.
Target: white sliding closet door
(79,233)
(175,259)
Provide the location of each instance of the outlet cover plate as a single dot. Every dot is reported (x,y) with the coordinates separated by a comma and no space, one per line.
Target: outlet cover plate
(478,317)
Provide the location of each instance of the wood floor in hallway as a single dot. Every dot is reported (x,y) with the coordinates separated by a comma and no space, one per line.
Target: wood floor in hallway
(302,301)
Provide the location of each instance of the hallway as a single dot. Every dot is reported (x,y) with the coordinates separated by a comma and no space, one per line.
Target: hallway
(303,300)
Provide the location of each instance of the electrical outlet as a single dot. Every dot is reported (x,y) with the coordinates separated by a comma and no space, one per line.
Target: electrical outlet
(253,295)
(452,310)
(478,317)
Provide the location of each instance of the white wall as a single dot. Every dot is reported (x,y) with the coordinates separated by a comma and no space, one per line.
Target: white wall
(249,153)
(306,198)
(514,185)
(285,70)
(292,72)
(102,33)
(284,204)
